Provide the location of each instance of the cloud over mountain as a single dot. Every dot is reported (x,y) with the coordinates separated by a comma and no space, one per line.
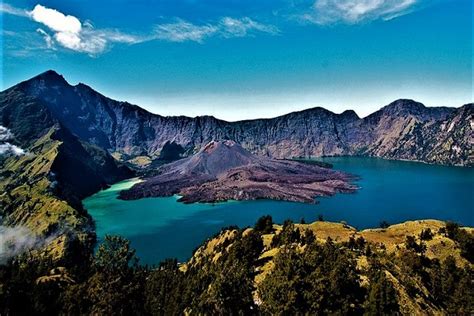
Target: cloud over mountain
(69,32)
(5,147)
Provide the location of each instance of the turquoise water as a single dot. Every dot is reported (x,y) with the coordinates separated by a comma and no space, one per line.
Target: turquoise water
(394,191)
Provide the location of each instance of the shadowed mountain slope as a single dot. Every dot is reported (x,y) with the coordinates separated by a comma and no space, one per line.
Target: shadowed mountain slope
(41,186)
(404,129)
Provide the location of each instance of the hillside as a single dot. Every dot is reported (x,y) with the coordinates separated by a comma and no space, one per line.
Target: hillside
(413,268)
(404,129)
(407,255)
(43,184)
(224,170)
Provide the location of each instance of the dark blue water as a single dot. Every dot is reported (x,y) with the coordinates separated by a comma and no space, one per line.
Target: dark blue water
(394,191)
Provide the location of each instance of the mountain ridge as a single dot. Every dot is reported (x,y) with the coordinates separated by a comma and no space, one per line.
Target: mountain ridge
(55,76)
(130,131)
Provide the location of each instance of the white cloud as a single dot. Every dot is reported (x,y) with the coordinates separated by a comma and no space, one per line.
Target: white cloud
(56,20)
(15,241)
(227,27)
(8,9)
(5,134)
(231,27)
(5,147)
(355,11)
(69,32)
(9,149)
(47,38)
(181,31)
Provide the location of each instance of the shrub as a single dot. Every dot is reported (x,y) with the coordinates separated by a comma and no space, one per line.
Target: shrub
(426,234)
(264,224)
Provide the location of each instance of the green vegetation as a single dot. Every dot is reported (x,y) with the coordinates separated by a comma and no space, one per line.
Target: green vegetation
(463,238)
(237,272)
(426,234)
(264,224)
(322,279)
(382,296)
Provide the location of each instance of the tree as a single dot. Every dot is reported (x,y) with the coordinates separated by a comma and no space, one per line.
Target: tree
(464,238)
(281,291)
(309,237)
(411,244)
(320,280)
(115,285)
(426,234)
(164,290)
(382,298)
(264,224)
(226,286)
(462,300)
(288,234)
(114,256)
(452,229)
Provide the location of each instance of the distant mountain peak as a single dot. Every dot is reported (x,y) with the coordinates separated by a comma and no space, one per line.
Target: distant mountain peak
(350,114)
(50,76)
(44,81)
(213,146)
(405,104)
(406,107)
(218,156)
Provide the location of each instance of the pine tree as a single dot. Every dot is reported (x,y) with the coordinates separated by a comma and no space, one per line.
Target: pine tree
(382,298)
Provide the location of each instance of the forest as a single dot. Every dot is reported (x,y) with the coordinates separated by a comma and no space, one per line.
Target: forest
(308,277)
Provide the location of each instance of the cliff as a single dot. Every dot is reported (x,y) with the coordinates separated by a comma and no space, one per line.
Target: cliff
(404,129)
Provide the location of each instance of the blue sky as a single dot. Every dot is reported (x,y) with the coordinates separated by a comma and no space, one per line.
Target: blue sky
(243,59)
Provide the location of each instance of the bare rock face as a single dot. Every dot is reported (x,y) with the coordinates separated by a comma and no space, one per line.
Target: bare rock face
(404,129)
(214,159)
(224,170)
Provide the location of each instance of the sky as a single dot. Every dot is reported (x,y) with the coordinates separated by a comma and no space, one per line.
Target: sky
(243,59)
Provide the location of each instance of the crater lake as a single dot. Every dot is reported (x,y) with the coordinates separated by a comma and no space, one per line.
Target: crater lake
(391,191)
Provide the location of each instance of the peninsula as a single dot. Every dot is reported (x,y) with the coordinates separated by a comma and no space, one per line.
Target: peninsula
(224,170)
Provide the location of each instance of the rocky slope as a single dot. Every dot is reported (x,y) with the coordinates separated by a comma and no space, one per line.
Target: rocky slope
(43,182)
(404,129)
(222,171)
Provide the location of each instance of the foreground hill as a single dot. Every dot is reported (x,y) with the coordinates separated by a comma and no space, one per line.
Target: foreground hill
(404,129)
(324,267)
(414,268)
(224,170)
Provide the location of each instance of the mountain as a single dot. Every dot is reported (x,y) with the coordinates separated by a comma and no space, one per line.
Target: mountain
(43,182)
(404,129)
(223,170)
